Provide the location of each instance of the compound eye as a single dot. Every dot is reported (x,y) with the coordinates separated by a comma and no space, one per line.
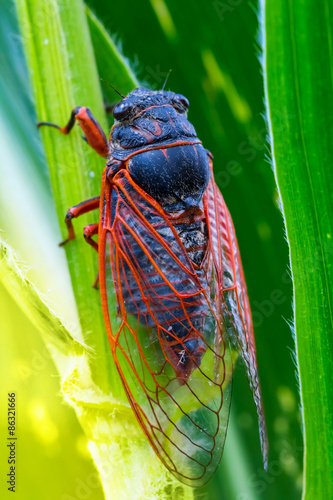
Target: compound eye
(122,110)
(180,103)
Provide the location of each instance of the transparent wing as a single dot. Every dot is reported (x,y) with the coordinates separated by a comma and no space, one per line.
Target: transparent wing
(169,347)
(234,307)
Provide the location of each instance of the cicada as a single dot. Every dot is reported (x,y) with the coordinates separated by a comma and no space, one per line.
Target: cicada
(171,279)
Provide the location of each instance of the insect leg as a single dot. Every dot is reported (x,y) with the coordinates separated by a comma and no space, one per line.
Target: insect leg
(93,132)
(76,211)
(88,232)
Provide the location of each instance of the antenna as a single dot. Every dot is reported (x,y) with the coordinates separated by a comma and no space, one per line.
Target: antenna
(109,84)
(166,79)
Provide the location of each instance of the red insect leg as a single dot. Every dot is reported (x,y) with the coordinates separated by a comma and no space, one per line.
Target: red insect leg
(76,211)
(93,132)
(88,232)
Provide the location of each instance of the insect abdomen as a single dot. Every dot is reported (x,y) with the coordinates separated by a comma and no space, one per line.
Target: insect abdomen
(176,176)
(169,302)
(193,234)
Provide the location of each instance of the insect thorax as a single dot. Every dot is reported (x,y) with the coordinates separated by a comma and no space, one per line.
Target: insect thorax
(177,177)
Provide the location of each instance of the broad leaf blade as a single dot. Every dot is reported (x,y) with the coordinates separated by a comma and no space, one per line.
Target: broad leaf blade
(298,64)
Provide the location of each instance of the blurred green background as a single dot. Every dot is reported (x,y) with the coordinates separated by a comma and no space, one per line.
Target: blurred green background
(213,51)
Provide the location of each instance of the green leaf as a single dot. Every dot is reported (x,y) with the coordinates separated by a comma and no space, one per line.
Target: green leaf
(32,302)
(298,64)
(55,35)
(110,62)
